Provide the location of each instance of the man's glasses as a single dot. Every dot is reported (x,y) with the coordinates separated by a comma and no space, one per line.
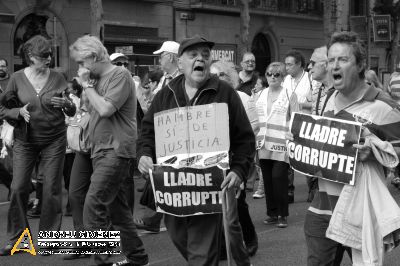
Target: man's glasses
(276,75)
(125,64)
(248,62)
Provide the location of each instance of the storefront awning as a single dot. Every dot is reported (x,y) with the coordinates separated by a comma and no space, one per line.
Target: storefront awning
(6,15)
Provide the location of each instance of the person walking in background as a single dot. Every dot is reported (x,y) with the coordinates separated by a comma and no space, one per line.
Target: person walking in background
(318,69)
(226,71)
(169,62)
(4,75)
(275,106)
(39,129)
(150,82)
(111,94)
(298,82)
(248,75)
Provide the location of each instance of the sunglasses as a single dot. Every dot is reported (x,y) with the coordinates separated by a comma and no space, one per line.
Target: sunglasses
(122,64)
(276,75)
(45,55)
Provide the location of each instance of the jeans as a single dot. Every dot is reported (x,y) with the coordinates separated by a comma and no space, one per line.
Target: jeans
(276,187)
(321,250)
(106,200)
(51,164)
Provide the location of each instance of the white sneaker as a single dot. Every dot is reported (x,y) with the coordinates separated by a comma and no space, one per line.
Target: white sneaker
(258,195)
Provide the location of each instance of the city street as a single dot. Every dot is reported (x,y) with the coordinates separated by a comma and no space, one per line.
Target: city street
(276,246)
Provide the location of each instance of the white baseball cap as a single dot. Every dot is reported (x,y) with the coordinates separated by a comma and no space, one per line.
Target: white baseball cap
(117,55)
(169,47)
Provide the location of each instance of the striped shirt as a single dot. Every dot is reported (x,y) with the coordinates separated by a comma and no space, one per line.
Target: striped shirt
(380,115)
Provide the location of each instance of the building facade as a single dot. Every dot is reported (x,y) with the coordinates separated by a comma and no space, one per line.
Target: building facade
(138,27)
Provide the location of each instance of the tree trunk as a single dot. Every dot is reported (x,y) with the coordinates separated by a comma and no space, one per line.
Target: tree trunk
(244,27)
(96,19)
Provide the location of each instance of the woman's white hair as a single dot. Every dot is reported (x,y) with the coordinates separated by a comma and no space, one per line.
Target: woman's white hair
(228,68)
(89,46)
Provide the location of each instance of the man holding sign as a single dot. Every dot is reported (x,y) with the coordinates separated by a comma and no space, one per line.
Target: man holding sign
(196,237)
(353,100)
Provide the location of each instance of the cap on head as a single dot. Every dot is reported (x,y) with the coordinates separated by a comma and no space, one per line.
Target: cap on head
(168,47)
(196,39)
(117,55)
(320,54)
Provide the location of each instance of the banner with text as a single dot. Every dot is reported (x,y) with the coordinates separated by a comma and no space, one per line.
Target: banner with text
(322,147)
(193,136)
(187,191)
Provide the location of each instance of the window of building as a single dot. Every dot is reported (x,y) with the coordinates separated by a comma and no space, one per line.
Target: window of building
(48,26)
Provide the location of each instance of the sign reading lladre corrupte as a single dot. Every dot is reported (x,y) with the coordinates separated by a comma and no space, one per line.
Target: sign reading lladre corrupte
(323,147)
(187,191)
(192,145)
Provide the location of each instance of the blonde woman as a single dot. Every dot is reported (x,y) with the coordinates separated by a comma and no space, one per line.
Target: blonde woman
(274,106)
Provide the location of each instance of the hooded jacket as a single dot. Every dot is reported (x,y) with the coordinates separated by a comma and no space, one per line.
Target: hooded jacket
(242,140)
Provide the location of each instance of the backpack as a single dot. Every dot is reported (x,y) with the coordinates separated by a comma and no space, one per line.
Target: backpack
(77,132)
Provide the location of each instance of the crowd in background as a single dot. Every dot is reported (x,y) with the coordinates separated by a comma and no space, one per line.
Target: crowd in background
(114,110)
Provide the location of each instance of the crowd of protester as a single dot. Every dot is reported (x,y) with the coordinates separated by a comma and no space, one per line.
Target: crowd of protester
(98,128)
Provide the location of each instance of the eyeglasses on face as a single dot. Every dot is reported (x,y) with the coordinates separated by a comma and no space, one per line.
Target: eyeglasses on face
(248,62)
(125,64)
(276,75)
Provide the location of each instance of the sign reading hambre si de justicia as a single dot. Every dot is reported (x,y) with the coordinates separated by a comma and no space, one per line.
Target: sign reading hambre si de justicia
(192,145)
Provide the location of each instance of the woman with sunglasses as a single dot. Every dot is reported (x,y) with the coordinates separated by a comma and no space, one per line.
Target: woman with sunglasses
(41,131)
(275,105)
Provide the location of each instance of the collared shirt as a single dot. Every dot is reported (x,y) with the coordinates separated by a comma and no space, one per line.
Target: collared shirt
(302,87)
(166,79)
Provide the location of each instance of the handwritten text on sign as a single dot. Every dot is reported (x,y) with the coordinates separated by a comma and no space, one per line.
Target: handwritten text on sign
(322,147)
(187,191)
(192,129)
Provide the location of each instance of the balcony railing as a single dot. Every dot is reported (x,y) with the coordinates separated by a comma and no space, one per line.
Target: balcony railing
(289,6)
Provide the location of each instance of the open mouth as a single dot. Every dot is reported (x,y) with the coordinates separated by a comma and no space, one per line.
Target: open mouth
(199,68)
(337,77)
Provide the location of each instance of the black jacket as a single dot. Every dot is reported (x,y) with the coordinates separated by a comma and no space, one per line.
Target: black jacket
(242,140)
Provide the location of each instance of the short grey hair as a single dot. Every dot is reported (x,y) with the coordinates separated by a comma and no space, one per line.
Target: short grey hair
(89,46)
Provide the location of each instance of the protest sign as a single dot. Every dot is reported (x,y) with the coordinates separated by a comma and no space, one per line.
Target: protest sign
(322,147)
(196,136)
(187,191)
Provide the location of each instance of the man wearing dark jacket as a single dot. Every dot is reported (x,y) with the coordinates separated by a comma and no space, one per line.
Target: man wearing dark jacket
(197,237)
(247,76)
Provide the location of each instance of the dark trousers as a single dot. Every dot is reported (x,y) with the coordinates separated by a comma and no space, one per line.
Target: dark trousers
(321,250)
(196,237)
(290,177)
(106,200)
(276,187)
(248,229)
(51,161)
(81,172)
(236,242)
(68,162)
